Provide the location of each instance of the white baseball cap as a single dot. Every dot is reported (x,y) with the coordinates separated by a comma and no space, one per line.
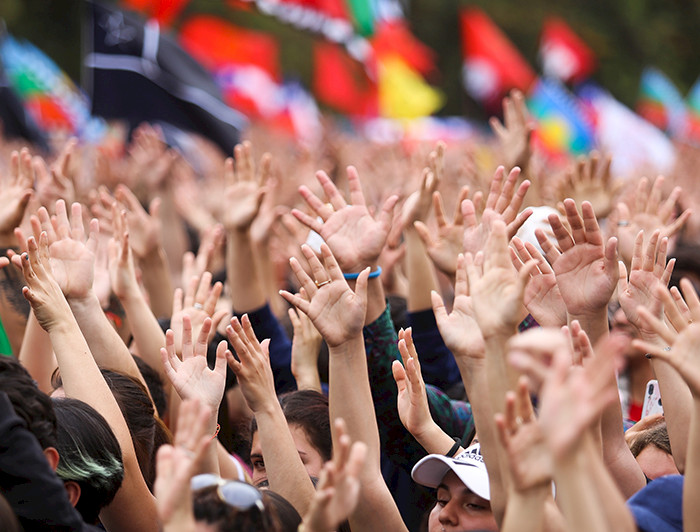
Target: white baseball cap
(468,466)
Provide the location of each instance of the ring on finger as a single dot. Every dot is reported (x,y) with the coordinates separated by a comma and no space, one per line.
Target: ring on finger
(322,283)
(198,306)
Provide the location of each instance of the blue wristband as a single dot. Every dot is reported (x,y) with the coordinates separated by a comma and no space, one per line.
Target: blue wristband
(372,275)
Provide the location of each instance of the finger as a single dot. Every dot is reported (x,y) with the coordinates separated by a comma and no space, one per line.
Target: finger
(495,189)
(564,239)
(321,209)
(520,219)
(650,252)
(294,299)
(469,214)
(439,209)
(660,264)
(424,234)
(506,194)
(655,196)
(514,206)
(593,233)
(551,253)
(190,292)
(330,264)
(213,298)
(656,325)
(386,214)
(678,223)
(642,195)
(312,223)
(637,252)
(317,270)
(667,207)
(691,298)
(203,288)
(334,196)
(356,195)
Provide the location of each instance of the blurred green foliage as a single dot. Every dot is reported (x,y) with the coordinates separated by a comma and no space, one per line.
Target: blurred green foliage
(626,36)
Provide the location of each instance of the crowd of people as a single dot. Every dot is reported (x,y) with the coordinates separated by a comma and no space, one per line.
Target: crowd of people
(283,341)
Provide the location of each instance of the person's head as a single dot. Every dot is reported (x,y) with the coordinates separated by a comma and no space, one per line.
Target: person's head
(30,403)
(463,494)
(147,432)
(652,449)
(307,415)
(234,506)
(90,463)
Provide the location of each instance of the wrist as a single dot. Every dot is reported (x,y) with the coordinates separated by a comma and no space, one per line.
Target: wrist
(87,300)
(347,347)
(156,255)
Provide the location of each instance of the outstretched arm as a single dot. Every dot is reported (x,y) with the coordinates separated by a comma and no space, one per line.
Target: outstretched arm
(339,315)
(285,470)
(133,507)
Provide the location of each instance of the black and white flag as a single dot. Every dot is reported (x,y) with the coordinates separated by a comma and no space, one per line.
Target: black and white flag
(135,73)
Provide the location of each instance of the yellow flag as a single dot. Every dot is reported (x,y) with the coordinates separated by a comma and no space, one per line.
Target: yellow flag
(403,93)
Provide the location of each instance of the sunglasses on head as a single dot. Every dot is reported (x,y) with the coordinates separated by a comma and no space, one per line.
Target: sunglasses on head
(235,493)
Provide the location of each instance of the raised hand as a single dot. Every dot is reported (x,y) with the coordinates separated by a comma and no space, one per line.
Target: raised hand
(41,290)
(502,203)
(572,399)
(150,160)
(191,376)
(176,464)
(529,459)
(338,490)
(649,270)
(245,188)
(589,180)
(122,275)
(57,182)
(198,303)
(648,212)
(496,288)
(306,346)
(444,246)
(351,232)
(459,328)
(15,192)
(542,297)
(412,399)
(681,339)
(585,267)
(252,366)
(145,228)
(212,240)
(531,353)
(514,134)
(72,255)
(336,311)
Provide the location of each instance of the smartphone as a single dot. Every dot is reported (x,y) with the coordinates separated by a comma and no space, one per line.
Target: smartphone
(652,400)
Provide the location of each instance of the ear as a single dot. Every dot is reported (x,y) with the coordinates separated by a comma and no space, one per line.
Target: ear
(52,457)
(73,491)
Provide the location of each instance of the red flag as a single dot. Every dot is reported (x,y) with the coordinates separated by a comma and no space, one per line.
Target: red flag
(492,65)
(164,11)
(563,54)
(216,43)
(396,38)
(342,83)
(244,63)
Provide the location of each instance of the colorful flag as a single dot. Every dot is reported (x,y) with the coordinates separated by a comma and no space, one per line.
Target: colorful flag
(563,54)
(563,123)
(137,74)
(395,38)
(660,102)
(403,93)
(633,142)
(15,121)
(694,112)
(342,83)
(244,63)
(53,101)
(492,65)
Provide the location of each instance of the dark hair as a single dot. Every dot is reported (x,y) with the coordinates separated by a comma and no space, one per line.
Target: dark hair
(209,507)
(8,519)
(288,519)
(147,432)
(656,435)
(90,455)
(154,384)
(137,408)
(309,410)
(30,403)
